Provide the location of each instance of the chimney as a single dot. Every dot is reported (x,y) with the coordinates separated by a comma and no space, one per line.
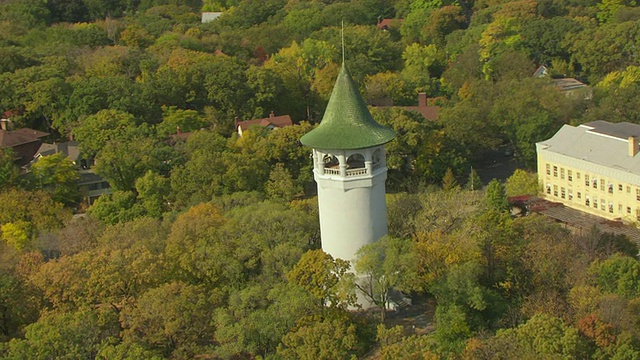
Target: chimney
(422,99)
(272,115)
(5,124)
(633,146)
(63,147)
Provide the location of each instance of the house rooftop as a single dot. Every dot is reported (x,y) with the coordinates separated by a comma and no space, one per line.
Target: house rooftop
(567,84)
(385,24)
(563,84)
(11,138)
(210,16)
(598,142)
(271,122)
(428,112)
(69,149)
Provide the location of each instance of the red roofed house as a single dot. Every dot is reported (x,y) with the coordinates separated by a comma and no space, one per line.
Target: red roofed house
(24,142)
(428,112)
(272,122)
(386,24)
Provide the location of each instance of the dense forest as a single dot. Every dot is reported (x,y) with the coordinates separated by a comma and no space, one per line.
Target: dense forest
(209,247)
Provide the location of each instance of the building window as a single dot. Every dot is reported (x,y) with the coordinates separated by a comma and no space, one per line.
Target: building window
(555,171)
(562,193)
(610,186)
(628,189)
(602,184)
(611,207)
(569,175)
(555,190)
(548,169)
(570,195)
(579,195)
(620,208)
(595,183)
(586,180)
(578,175)
(548,189)
(561,173)
(586,200)
(602,205)
(595,202)
(620,187)
(637,214)
(628,209)
(638,194)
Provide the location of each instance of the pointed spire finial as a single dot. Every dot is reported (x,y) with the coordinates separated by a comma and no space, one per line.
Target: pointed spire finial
(342,41)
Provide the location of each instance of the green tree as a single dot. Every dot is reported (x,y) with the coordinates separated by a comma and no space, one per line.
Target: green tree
(452,329)
(30,213)
(328,339)
(196,243)
(174,120)
(122,162)
(618,274)
(174,318)
(281,185)
(203,166)
(449,182)
(474,182)
(441,23)
(96,131)
(258,317)
(386,264)
(382,87)
(17,234)
(19,305)
(153,190)
(57,175)
(496,197)
(394,345)
(120,206)
(545,336)
(600,50)
(522,182)
(78,334)
(324,277)
(421,63)
(272,237)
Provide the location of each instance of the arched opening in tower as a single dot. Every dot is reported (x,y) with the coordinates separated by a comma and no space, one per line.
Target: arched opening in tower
(330,161)
(355,161)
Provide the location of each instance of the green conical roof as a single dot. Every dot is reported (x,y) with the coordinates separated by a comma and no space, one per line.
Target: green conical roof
(347,123)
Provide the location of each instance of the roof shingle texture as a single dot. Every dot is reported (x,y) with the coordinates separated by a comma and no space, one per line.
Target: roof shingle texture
(347,123)
(19,137)
(597,142)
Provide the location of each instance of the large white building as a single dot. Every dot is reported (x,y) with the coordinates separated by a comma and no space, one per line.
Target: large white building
(350,171)
(594,167)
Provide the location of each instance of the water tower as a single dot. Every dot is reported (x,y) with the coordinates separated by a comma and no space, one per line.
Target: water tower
(349,166)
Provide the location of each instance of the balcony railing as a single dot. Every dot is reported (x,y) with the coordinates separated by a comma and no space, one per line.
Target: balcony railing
(349,172)
(357,172)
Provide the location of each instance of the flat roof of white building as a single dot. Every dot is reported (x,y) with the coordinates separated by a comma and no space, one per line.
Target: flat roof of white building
(598,142)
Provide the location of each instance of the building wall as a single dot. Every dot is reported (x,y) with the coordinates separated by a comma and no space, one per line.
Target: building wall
(351,218)
(352,206)
(597,190)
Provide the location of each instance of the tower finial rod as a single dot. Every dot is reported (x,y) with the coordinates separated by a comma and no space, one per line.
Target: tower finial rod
(342,41)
